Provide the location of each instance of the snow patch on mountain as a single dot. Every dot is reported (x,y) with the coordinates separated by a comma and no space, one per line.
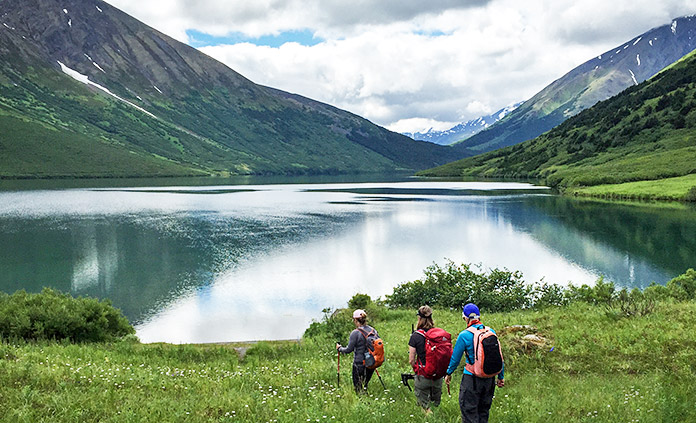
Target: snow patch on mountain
(633,76)
(85,80)
(674,27)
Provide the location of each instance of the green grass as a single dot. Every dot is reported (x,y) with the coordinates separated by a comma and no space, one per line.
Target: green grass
(670,189)
(602,369)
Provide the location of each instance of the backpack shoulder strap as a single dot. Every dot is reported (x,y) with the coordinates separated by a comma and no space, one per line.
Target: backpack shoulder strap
(420,332)
(367,334)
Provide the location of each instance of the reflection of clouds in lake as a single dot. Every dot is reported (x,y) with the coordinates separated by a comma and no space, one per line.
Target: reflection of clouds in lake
(96,257)
(281,290)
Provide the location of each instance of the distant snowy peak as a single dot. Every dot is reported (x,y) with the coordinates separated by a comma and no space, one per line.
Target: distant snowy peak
(463,130)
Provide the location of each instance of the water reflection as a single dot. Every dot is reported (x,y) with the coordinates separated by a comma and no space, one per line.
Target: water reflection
(226,263)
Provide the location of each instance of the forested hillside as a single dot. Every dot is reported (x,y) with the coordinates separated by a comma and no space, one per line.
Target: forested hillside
(647,132)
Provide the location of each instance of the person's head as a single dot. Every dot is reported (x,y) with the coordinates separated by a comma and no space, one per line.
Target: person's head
(425,318)
(471,312)
(359,317)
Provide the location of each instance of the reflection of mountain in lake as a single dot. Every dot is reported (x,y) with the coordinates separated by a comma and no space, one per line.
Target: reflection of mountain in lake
(632,245)
(141,263)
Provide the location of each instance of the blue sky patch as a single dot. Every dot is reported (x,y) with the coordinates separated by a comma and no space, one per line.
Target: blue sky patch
(305,38)
(434,33)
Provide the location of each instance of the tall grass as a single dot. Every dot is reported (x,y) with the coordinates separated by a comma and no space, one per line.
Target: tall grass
(594,367)
(591,361)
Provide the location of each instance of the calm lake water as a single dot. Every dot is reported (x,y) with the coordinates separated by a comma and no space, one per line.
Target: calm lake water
(240,261)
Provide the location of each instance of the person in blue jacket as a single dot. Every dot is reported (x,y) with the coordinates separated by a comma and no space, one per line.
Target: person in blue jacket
(475,393)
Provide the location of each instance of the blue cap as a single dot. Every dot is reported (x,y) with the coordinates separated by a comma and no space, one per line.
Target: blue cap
(469,309)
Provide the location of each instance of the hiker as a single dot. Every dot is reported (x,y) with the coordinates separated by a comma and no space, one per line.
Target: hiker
(358,343)
(483,362)
(430,367)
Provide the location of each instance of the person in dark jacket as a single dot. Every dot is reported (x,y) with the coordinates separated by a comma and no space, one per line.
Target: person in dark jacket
(428,391)
(357,343)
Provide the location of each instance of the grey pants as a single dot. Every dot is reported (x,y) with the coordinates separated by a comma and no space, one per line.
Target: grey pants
(428,391)
(475,398)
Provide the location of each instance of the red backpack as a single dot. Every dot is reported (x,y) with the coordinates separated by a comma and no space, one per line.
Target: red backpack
(488,356)
(374,354)
(438,351)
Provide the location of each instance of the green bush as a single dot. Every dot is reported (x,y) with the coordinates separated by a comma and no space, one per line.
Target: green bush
(690,195)
(601,293)
(359,301)
(683,287)
(630,304)
(56,316)
(332,326)
(453,286)
(549,295)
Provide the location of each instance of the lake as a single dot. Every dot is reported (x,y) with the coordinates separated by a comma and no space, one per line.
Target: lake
(240,260)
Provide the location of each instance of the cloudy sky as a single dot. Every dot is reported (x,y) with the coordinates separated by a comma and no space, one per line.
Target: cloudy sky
(408,65)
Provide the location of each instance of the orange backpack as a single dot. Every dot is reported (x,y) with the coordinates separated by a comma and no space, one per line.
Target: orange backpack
(374,355)
(488,356)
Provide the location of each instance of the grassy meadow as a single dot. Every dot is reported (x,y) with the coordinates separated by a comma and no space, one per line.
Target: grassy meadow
(593,366)
(681,188)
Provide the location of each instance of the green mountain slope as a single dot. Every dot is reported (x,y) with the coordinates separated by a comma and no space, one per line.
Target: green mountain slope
(647,132)
(595,80)
(104,83)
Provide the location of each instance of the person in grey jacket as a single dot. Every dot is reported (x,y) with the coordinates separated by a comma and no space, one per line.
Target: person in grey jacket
(358,343)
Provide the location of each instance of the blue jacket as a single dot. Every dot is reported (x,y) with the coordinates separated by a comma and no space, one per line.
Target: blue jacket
(465,343)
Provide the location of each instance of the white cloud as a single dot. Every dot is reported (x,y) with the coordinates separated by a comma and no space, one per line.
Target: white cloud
(407,64)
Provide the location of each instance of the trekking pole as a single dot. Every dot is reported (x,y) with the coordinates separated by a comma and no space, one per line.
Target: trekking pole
(338,369)
(380,380)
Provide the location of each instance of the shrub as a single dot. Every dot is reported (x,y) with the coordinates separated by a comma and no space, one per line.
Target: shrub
(56,316)
(453,286)
(690,195)
(683,287)
(359,301)
(656,292)
(630,304)
(548,295)
(333,326)
(601,293)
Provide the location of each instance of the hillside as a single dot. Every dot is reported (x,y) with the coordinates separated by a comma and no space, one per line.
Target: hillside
(86,90)
(647,132)
(595,80)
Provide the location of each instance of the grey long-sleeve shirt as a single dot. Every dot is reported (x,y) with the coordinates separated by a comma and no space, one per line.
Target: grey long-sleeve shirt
(357,343)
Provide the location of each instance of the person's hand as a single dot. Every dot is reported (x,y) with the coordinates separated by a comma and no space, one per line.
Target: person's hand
(500,383)
(448,379)
(338,346)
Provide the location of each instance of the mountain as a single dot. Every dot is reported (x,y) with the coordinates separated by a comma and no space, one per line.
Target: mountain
(595,80)
(463,130)
(648,132)
(86,90)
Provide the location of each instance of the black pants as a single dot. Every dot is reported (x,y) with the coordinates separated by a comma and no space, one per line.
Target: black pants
(361,377)
(475,398)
